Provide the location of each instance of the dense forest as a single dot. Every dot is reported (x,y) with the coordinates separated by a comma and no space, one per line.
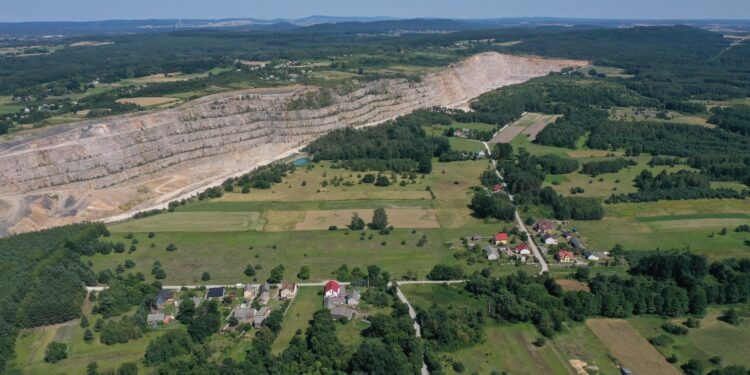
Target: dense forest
(386,146)
(42,278)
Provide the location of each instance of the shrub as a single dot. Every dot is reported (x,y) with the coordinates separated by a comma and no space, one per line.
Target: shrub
(661,340)
(674,329)
(56,351)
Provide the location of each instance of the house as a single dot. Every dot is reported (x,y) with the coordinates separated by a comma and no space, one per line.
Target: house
(459,133)
(331,289)
(481,155)
(288,290)
(164,296)
(567,235)
(155,319)
(544,225)
(332,302)
(250,292)
(590,255)
(260,316)
(549,240)
(215,293)
(352,299)
(244,314)
(501,238)
(522,249)
(264,297)
(491,252)
(497,188)
(564,256)
(342,313)
(576,243)
(476,238)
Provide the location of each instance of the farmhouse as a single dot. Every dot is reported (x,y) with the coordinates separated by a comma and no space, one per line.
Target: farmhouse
(544,226)
(590,255)
(491,252)
(576,243)
(331,289)
(244,314)
(522,249)
(288,290)
(250,292)
(260,316)
(215,293)
(549,239)
(564,256)
(164,297)
(155,319)
(501,238)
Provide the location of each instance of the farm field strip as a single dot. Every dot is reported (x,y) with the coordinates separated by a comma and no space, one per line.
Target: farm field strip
(629,347)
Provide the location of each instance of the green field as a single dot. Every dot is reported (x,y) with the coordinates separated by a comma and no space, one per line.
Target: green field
(300,312)
(712,338)
(32,343)
(222,235)
(509,347)
(672,224)
(467,145)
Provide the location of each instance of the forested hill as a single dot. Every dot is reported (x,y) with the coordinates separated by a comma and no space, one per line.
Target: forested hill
(671,61)
(41,278)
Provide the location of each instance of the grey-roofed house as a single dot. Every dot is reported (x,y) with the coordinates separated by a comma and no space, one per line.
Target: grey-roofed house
(155,319)
(491,252)
(260,316)
(352,299)
(244,314)
(576,243)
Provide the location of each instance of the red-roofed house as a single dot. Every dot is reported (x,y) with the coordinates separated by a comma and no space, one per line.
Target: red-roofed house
(501,238)
(332,289)
(564,256)
(523,249)
(497,188)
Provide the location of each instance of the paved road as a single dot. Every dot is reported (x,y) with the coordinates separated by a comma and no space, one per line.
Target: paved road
(320,283)
(521,225)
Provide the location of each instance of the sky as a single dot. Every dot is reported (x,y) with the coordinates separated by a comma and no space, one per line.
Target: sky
(89,10)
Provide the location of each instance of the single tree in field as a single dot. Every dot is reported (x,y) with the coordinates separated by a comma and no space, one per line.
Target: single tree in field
(357,222)
(206,276)
(249,270)
(88,336)
(56,351)
(171,247)
(304,273)
(379,219)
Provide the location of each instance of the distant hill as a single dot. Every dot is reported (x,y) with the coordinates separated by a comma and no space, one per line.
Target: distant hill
(320,23)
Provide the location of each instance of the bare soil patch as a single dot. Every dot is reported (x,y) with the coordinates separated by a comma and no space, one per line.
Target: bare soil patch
(540,122)
(629,347)
(398,217)
(573,285)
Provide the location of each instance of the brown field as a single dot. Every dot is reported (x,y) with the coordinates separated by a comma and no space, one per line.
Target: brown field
(572,285)
(629,347)
(508,134)
(253,63)
(148,101)
(398,217)
(540,122)
(171,77)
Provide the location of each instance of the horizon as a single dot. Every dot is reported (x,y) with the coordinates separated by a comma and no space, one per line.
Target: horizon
(94,10)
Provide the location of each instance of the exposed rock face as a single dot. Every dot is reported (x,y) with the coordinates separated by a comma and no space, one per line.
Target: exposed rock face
(105,167)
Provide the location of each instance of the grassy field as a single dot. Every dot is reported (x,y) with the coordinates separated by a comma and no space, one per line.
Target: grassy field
(509,347)
(649,114)
(32,343)
(629,347)
(672,224)
(269,227)
(712,338)
(300,312)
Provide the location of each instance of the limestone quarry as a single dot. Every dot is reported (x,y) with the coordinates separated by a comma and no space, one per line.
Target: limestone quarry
(111,167)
